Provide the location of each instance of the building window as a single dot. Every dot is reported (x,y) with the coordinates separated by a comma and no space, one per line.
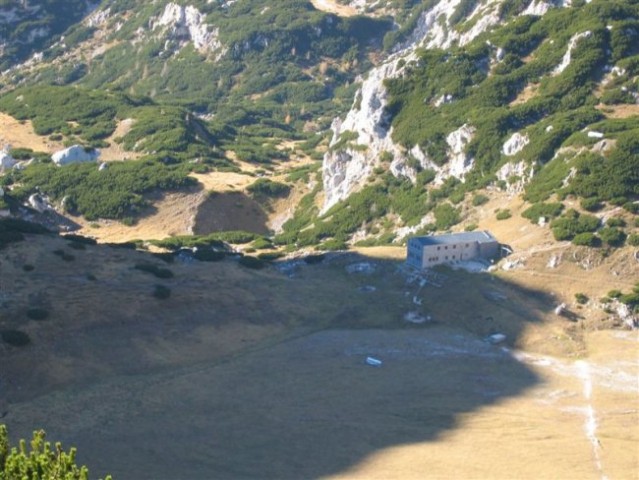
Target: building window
(455,246)
(446,247)
(439,248)
(446,257)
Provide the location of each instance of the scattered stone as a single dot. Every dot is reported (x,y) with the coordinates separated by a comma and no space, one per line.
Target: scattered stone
(373,362)
(495,338)
(361,267)
(417,318)
(560,309)
(75,154)
(38,203)
(367,288)
(553,262)
(6,161)
(512,264)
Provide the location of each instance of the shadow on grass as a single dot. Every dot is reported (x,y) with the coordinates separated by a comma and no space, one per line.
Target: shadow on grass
(230,211)
(308,406)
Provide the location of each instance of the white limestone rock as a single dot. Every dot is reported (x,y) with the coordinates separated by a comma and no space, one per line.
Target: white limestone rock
(515,144)
(519,170)
(537,8)
(75,154)
(186,24)
(459,162)
(6,161)
(98,18)
(345,170)
(39,203)
(572,44)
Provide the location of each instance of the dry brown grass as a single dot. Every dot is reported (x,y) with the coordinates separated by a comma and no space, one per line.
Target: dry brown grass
(226,365)
(114,151)
(21,135)
(331,6)
(530,91)
(173,214)
(619,111)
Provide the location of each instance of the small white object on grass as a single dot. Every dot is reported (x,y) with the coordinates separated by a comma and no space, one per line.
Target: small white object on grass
(374,362)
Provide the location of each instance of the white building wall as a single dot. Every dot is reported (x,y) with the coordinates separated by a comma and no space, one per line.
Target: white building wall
(437,254)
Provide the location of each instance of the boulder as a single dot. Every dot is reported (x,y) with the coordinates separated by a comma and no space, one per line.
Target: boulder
(6,161)
(75,154)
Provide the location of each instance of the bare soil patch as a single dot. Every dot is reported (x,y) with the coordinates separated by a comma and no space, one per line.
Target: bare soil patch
(230,211)
(224,181)
(172,214)
(619,111)
(115,151)
(20,134)
(529,92)
(331,6)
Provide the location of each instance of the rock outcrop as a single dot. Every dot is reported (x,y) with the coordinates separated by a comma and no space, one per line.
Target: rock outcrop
(186,24)
(516,175)
(75,154)
(345,169)
(515,144)
(6,161)
(572,44)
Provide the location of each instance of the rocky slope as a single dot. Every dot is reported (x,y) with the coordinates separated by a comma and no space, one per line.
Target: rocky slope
(448,100)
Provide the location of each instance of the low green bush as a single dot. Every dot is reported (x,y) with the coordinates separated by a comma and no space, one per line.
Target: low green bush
(591,204)
(479,199)
(270,256)
(81,239)
(207,255)
(612,236)
(37,313)
(581,298)
(261,243)
(264,187)
(503,214)
(586,239)
(67,257)
(546,210)
(446,216)
(161,292)
(332,245)
(153,269)
(313,259)
(615,222)
(631,299)
(633,240)
(15,338)
(252,262)
(573,223)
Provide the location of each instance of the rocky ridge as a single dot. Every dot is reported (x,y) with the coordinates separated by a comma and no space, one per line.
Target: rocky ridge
(346,169)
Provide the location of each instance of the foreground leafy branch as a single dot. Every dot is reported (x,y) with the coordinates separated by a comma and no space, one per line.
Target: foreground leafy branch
(41,461)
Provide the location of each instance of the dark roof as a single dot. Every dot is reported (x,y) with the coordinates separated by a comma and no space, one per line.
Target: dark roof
(464,237)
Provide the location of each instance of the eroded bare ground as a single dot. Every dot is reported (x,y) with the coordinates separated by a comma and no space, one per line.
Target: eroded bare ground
(331,6)
(230,377)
